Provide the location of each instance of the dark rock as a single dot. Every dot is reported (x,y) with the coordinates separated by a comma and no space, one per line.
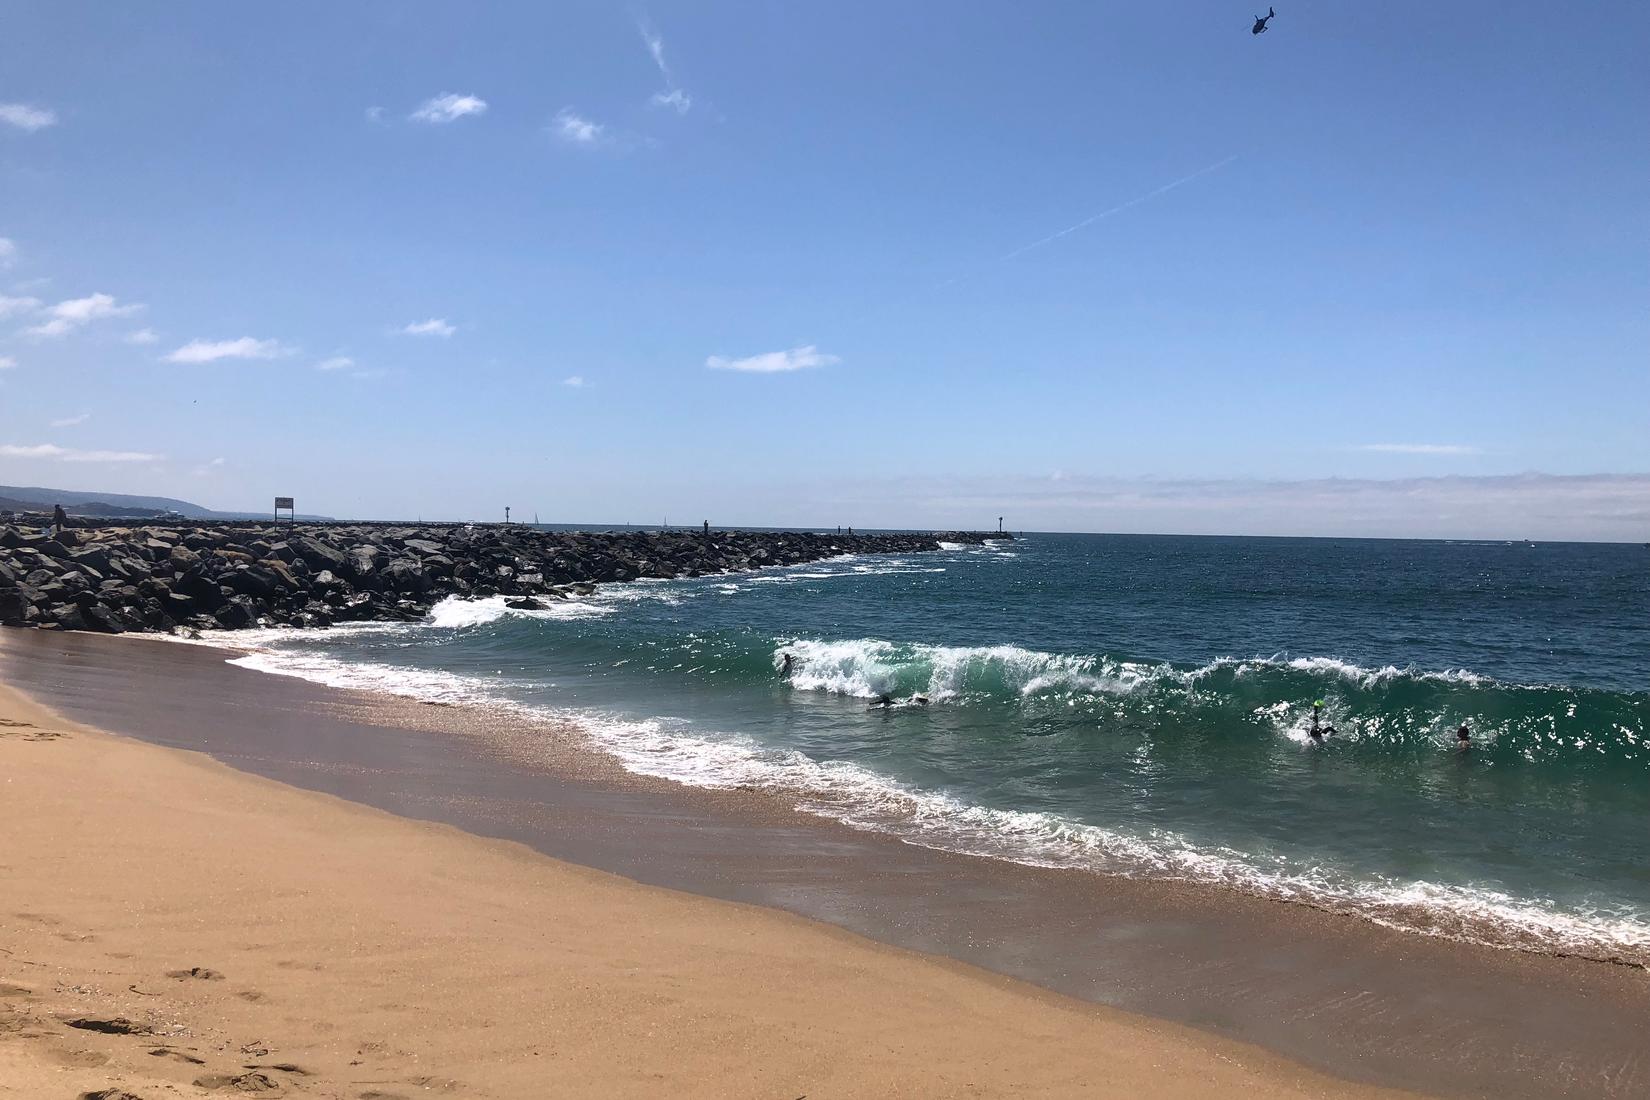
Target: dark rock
(257,583)
(208,596)
(240,574)
(101,618)
(404,575)
(364,561)
(525,605)
(67,617)
(316,554)
(13,606)
(94,556)
(237,613)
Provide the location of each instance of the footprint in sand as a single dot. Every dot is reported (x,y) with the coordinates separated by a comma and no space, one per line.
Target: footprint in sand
(177,1056)
(284,1067)
(10,727)
(199,973)
(245,1082)
(110,1025)
(78,1059)
(252,995)
(109,1094)
(40,918)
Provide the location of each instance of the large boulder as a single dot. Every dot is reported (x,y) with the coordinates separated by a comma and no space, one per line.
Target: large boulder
(281,574)
(317,554)
(364,561)
(94,556)
(406,575)
(258,583)
(177,606)
(207,595)
(66,617)
(236,614)
(14,606)
(424,547)
(98,617)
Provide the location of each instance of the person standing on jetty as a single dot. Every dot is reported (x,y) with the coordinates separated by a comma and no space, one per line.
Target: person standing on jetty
(60,518)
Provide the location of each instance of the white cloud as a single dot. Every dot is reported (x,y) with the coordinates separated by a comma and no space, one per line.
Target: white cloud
(448,108)
(205,469)
(7,362)
(72,421)
(1419,448)
(72,314)
(337,362)
(25,117)
(775,362)
(676,99)
(576,381)
(9,306)
(435,326)
(210,351)
(673,96)
(142,336)
(369,375)
(8,251)
(570,126)
(375,114)
(69,454)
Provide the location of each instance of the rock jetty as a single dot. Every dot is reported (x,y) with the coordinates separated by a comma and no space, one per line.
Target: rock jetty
(229,576)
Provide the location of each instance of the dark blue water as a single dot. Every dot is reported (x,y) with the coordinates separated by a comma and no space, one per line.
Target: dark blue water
(1139,705)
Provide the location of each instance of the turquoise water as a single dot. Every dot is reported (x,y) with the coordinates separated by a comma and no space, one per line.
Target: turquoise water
(1136,705)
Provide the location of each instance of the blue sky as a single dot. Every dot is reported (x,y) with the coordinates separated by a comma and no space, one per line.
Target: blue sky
(419,259)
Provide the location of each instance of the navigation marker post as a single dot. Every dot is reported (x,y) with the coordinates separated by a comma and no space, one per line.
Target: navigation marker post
(291,516)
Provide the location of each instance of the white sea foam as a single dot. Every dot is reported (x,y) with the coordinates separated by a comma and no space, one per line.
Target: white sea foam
(454,613)
(859,797)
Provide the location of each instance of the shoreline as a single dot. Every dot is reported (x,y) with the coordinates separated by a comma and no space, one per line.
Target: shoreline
(1428,1014)
(163,959)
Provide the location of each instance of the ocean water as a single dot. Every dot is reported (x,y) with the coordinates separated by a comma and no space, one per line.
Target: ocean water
(1134,705)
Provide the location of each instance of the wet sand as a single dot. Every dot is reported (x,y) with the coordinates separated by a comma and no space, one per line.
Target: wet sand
(1350,998)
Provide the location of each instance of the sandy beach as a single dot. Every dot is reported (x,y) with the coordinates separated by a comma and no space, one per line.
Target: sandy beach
(174,927)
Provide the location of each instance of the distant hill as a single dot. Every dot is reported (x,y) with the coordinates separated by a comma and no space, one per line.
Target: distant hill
(25,498)
(97,508)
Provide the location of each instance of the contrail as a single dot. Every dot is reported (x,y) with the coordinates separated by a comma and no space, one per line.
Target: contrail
(1104,214)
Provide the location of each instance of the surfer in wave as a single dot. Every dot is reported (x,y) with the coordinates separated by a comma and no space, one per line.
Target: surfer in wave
(1318,731)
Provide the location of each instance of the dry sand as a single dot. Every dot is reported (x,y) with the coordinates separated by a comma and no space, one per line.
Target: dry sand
(172,927)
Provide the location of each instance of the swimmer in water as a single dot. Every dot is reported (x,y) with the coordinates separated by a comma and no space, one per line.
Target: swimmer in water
(785,663)
(883,701)
(1463,739)
(1318,731)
